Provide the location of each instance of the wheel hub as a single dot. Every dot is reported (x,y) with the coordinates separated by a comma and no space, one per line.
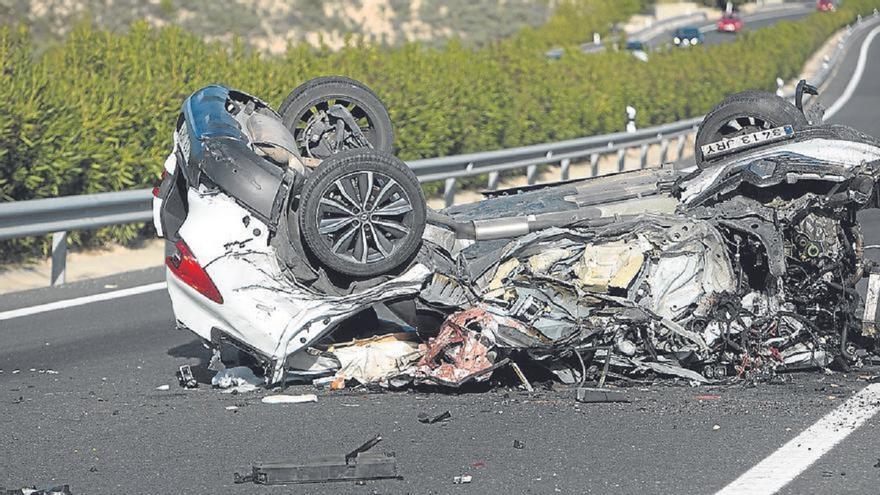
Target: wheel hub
(364,217)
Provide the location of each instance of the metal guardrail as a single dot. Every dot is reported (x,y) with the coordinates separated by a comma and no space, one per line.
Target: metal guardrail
(57,216)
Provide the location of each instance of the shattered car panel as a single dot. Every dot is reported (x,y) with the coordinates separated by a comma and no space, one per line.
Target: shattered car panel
(743,268)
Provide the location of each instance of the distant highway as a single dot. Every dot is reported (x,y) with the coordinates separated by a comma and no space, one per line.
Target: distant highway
(751,23)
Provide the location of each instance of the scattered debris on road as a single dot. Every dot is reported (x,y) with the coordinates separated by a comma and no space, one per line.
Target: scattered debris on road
(424,418)
(289,399)
(518,445)
(594,395)
(357,465)
(185,377)
(239,380)
(57,490)
(465,478)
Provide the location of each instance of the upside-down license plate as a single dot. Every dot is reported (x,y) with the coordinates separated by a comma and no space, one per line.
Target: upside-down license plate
(726,146)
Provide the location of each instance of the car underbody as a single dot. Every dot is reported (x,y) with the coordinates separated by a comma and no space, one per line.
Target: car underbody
(740,268)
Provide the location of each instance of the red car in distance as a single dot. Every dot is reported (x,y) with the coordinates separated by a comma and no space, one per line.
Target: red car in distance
(825,5)
(730,24)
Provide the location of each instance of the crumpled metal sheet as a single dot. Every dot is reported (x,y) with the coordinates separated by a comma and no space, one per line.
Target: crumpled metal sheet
(376,359)
(693,265)
(460,352)
(611,265)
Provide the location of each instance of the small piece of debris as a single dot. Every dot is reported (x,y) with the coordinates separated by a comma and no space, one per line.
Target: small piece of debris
(163,387)
(185,377)
(458,480)
(424,418)
(716,427)
(593,395)
(232,408)
(519,445)
(289,399)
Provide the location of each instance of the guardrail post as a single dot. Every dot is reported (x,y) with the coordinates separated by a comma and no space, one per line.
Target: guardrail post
(566,165)
(679,146)
(59,257)
(449,192)
(594,164)
(531,174)
(643,158)
(621,159)
(664,150)
(493,181)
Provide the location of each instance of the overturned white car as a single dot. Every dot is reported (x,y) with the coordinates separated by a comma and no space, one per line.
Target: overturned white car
(290,226)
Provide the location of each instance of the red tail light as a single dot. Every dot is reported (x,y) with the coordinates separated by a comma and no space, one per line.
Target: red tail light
(161,180)
(185,266)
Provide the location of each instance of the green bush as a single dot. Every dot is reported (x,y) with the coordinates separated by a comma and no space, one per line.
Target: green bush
(96,112)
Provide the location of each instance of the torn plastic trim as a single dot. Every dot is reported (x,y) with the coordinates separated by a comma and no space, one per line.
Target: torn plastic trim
(220,150)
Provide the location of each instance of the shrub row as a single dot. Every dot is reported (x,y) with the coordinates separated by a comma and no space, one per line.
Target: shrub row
(96,112)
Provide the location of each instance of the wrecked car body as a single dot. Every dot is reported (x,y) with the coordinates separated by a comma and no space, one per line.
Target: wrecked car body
(741,267)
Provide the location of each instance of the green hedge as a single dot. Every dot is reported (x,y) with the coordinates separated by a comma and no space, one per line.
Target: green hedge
(95,113)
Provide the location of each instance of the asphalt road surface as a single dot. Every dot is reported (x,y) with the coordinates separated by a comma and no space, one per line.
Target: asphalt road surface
(79,405)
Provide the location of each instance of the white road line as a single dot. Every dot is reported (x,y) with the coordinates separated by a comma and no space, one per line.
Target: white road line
(856,77)
(79,301)
(784,465)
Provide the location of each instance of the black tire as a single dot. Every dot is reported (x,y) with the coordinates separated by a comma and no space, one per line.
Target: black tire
(304,104)
(337,220)
(751,111)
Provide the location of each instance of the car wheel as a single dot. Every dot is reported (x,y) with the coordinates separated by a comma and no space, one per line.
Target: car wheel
(362,213)
(745,113)
(327,115)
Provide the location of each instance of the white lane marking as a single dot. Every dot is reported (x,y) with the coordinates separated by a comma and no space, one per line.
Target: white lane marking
(79,301)
(856,77)
(777,470)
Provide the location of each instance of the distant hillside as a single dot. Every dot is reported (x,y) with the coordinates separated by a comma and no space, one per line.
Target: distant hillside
(269,25)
